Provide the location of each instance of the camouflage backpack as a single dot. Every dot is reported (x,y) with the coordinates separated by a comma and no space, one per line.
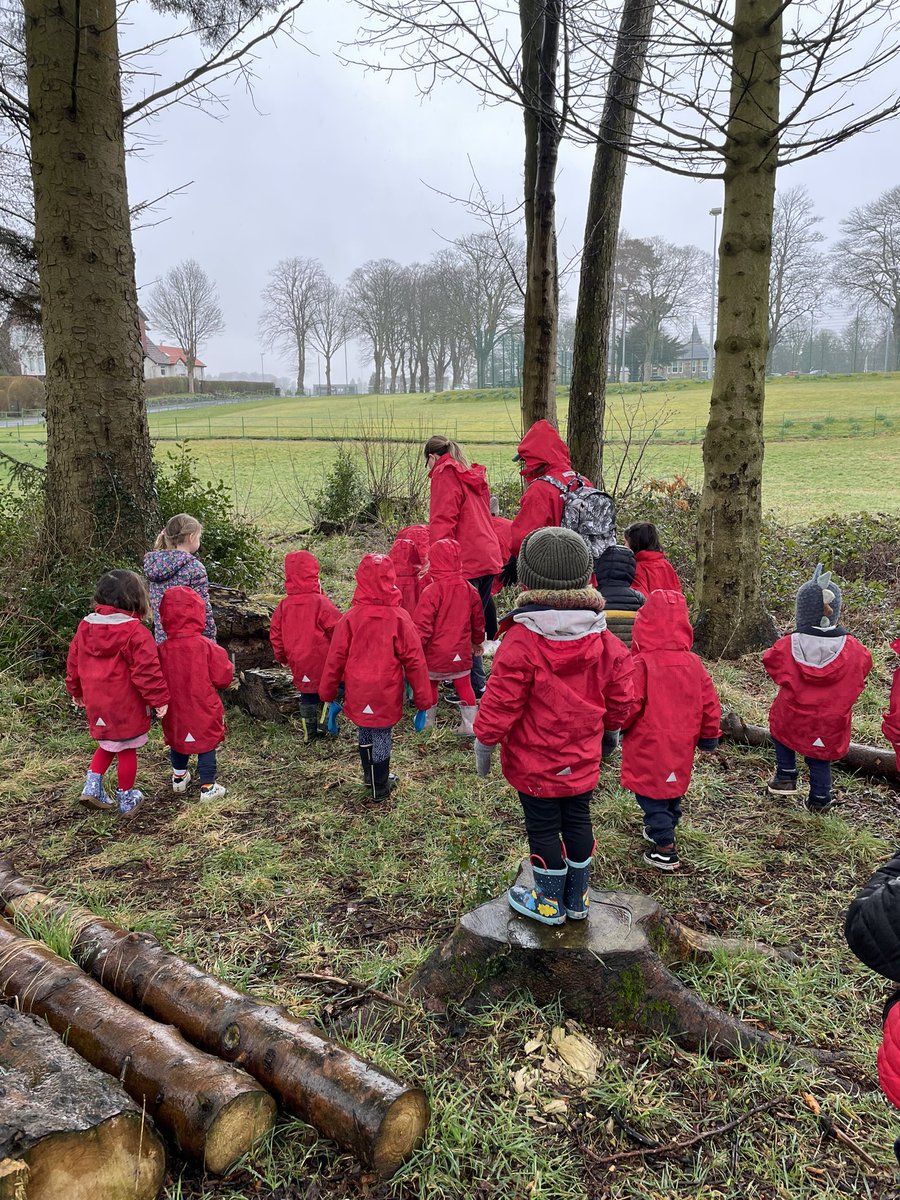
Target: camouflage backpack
(588,512)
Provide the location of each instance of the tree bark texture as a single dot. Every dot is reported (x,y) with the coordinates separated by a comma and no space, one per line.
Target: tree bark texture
(541,319)
(594,314)
(72,1128)
(731,616)
(213,1111)
(366,1111)
(101,491)
(868,760)
(531,22)
(610,970)
(268,694)
(242,627)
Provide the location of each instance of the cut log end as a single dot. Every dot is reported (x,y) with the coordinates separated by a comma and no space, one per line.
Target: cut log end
(237,1128)
(119,1158)
(402,1132)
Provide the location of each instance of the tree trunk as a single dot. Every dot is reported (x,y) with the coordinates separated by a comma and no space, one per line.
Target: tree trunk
(731,617)
(327,374)
(594,314)
(368,1112)
(895,324)
(541,318)
(70,1129)
(190,379)
(531,25)
(612,969)
(242,627)
(868,760)
(268,694)
(213,1111)
(301,365)
(101,490)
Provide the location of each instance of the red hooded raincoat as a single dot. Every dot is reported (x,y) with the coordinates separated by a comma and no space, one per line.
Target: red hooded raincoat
(194,667)
(374,644)
(449,616)
(461,508)
(303,622)
(113,669)
(676,699)
(404,554)
(544,453)
(654,572)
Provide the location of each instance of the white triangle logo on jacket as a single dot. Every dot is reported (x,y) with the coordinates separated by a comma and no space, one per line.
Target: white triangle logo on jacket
(305,679)
(368,709)
(819,742)
(456,658)
(100,722)
(673,778)
(190,738)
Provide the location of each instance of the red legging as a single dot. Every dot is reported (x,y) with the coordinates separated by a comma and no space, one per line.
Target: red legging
(464,690)
(126,769)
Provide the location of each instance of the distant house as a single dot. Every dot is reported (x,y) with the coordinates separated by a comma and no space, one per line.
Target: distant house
(692,360)
(162,361)
(29,349)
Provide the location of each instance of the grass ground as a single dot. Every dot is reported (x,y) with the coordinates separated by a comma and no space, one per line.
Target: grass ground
(833,444)
(294,872)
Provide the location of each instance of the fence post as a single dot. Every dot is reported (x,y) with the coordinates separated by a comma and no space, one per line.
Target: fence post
(875,421)
(243,430)
(276,429)
(208,425)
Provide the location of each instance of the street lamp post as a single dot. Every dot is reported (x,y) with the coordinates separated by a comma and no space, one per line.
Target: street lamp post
(715,213)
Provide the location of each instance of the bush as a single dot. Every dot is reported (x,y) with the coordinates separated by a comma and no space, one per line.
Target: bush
(340,505)
(233,548)
(25,394)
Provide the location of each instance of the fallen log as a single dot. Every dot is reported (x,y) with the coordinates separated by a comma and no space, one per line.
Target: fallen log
(368,1112)
(610,970)
(67,1131)
(868,760)
(242,626)
(212,1111)
(269,694)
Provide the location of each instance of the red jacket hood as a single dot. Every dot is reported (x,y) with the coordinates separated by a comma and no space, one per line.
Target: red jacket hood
(301,573)
(405,556)
(417,534)
(182,612)
(444,559)
(376,582)
(543,451)
(474,477)
(662,623)
(895,646)
(102,629)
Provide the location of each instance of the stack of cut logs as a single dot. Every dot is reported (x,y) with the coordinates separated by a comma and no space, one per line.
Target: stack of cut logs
(155,1046)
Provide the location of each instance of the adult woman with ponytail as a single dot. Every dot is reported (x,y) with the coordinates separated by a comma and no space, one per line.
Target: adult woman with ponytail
(460,509)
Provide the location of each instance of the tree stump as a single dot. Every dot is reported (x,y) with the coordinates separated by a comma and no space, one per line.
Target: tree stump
(269,694)
(868,760)
(242,627)
(66,1129)
(611,969)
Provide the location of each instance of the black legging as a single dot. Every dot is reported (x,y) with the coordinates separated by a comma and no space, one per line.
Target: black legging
(482,585)
(547,819)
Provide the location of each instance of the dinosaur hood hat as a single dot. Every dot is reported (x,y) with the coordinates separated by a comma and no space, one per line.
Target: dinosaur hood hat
(818,602)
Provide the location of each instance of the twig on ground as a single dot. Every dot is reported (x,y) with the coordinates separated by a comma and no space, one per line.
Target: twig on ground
(830,1128)
(355,984)
(687,1143)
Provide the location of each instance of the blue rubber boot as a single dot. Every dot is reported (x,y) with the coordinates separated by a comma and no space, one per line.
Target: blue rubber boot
(95,794)
(576,897)
(128,802)
(543,901)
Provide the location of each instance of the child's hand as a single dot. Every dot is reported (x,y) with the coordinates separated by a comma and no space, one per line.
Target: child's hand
(478,649)
(77,703)
(162,710)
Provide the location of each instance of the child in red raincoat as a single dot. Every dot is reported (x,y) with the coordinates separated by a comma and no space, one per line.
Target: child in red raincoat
(404,554)
(373,646)
(677,713)
(113,671)
(194,668)
(450,621)
(820,670)
(301,631)
(559,677)
(891,724)
(652,569)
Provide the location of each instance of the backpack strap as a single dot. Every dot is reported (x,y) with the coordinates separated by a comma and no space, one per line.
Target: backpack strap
(563,488)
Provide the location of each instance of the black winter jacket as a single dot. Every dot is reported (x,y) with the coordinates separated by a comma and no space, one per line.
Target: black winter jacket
(614,571)
(872,924)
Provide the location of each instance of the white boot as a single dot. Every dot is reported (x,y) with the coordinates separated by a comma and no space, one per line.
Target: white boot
(430,714)
(467,715)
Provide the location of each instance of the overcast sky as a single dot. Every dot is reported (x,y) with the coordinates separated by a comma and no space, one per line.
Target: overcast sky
(333,162)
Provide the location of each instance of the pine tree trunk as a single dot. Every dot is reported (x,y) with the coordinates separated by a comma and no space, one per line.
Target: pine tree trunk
(72,1130)
(594,314)
(213,1111)
(542,286)
(731,617)
(367,1111)
(101,490)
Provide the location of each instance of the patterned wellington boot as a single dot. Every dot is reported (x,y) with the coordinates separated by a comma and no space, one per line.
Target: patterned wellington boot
(467,715)
(95,794)
(128,802)
(544,901)
(577,897)
(309,721)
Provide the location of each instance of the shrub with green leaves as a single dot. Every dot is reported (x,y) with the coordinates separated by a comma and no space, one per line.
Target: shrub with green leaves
(234,550)
(340,504)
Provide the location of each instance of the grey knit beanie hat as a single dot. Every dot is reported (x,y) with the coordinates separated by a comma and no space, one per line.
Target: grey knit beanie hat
(555,560)
(814,597)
